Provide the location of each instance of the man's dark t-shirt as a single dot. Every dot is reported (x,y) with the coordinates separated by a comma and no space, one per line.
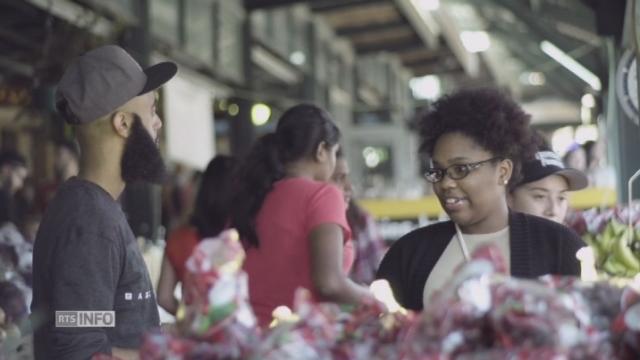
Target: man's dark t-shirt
(86,258)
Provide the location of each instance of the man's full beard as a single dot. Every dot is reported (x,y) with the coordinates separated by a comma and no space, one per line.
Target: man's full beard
(141,160)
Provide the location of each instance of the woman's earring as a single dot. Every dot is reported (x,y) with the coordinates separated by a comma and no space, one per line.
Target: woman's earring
(506,182)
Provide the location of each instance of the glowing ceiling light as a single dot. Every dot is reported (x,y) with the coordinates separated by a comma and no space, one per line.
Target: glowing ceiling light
(260,114)
(297,58)
(571,64)
(427,5)
(371,157)
(588,101)
(533,78)
(475,41)
(426,87)
(222,105)
(536,78)
(234,109)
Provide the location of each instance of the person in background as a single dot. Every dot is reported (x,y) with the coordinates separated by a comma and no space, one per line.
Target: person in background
(599,172)
(13,172)
(178,196)
(475,140)
(12,271)
(14,322)
(592,154)
(67,160)
(292,221)
(13,303)
(36,196)
(86,257)
(367,242)
(210,216)
(65,165)
(543,190)
(575,158)
(16,249)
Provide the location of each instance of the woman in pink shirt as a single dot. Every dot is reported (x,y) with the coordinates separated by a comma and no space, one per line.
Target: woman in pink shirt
(291,219)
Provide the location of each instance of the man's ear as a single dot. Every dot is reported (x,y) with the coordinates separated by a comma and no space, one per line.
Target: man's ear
(121,123)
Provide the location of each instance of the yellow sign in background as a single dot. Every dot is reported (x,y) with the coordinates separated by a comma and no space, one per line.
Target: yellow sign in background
(430,207)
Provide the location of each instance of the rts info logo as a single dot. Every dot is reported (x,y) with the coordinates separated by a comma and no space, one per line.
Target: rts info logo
(85,318)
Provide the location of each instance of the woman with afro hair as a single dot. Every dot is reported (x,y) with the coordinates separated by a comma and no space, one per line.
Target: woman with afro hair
(475,140)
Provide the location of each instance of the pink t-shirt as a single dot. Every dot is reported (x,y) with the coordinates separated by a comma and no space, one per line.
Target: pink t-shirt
(282,263)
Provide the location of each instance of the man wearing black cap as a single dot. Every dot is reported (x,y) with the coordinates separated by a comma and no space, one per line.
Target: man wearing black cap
(544,186)
(86,257)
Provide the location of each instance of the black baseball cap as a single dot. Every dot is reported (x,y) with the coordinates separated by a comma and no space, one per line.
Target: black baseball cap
(548,163)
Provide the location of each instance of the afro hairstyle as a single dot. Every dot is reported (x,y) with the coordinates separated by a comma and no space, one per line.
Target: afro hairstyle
(487,116)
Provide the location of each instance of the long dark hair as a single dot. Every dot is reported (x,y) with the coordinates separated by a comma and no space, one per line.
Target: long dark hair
(301,129)
(211,208)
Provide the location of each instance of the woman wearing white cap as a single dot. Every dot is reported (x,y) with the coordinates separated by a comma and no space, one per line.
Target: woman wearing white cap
(544,187)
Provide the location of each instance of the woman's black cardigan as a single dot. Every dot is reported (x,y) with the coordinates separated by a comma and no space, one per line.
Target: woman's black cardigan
(538,247)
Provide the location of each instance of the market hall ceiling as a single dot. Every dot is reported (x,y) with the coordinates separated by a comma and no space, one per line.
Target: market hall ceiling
(380,25)
(517,29)
(34,44)
(429,45)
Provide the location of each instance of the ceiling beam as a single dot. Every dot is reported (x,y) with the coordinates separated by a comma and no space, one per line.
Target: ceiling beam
(275,65)
(443,62)
(526,16)
(537,33)
(396,46)
(16,39)
(387,36)
(436,69)
(113,9)
(424,24)
(74,14)
(573,13)
(362,14)
(370,28)
(332,5)
(250,5)
(446,61)
(539,30)
(423,54)
(562,83)
(527,45)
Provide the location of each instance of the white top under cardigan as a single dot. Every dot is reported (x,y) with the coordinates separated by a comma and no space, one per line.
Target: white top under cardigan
(452,257)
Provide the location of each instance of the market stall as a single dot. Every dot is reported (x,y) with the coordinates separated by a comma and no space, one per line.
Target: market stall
(480,314)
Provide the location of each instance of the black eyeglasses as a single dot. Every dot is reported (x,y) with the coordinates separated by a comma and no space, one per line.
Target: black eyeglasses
(455,172)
